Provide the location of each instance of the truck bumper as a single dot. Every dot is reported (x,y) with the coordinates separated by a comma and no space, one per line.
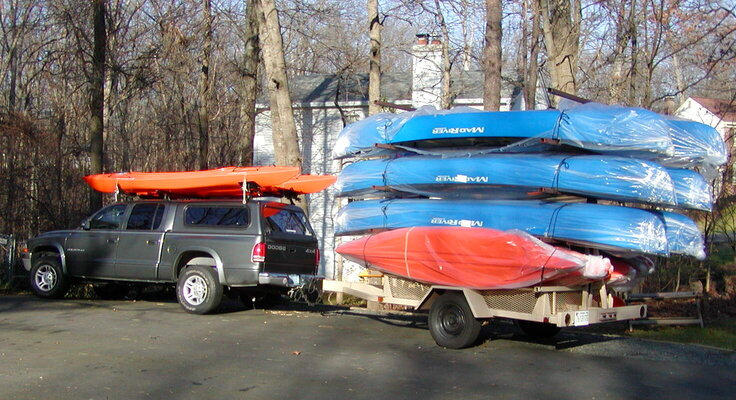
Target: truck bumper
(25,258)
(287,280)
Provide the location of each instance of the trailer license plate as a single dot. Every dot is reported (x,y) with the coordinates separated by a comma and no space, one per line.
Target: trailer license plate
(582,318)
(295,279)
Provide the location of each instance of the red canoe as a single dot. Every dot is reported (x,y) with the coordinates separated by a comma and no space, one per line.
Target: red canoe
(189,182)
(476,258)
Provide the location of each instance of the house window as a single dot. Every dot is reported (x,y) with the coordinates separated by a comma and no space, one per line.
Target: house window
(353,116)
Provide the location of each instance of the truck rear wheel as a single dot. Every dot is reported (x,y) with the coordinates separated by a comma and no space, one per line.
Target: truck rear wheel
(198,290)
(451,322)
(47,278)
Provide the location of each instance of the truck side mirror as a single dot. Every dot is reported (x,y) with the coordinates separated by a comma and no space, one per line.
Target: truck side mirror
(85,224)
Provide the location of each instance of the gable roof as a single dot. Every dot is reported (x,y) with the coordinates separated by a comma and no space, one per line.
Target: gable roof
(395,87)
(723,109)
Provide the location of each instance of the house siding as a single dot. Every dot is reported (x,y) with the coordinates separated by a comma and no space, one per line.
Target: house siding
(318,128)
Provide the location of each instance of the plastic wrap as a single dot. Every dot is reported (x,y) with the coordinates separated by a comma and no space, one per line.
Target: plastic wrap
(589,225)
(627,273)
(429,124)
(691,190)
(466,257)
(695,144)
(510,176)
(625,131)
(633,131)
(683,235)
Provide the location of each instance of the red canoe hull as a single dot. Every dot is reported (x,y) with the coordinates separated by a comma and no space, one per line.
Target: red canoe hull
(466,257)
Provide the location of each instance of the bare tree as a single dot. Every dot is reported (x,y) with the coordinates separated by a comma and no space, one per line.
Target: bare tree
(97,97)
(374,79)
(492,57)
(285,139)
(203,100)
(561,26)
(249,85)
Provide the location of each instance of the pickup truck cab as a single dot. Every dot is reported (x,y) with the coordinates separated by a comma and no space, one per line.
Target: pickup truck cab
(205,247)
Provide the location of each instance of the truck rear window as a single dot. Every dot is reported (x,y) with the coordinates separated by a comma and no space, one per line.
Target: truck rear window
(217,216)
(289,221)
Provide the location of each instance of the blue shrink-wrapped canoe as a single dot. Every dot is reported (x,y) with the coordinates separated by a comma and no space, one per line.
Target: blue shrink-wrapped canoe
(611,228)
(604,227)
(691,189)
(683,235)
(511,176)
(631,132)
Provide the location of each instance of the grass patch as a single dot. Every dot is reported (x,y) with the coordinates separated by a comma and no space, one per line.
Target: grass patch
(720,333)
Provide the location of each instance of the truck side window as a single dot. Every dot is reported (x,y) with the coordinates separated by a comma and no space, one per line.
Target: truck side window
(108,218)
(217,216)
(145,217)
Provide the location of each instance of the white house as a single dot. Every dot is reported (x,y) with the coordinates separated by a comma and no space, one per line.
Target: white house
(720,114)
(324,104)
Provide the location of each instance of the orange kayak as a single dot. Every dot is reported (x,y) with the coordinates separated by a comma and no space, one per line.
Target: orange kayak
(302,184)
(476,258)
(187,182)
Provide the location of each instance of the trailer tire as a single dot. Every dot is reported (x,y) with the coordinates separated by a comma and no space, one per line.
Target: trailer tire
(451,322)
(538,330)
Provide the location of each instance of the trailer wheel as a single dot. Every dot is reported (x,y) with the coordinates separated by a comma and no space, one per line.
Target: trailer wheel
(538,330)
(451,322)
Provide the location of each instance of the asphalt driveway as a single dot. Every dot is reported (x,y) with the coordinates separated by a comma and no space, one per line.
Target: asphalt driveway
(83,349)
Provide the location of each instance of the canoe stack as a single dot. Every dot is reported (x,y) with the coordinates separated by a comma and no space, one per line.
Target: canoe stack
(601,180)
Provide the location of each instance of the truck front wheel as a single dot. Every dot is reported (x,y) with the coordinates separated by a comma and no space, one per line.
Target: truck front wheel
(198,290)
(47,278)
(451,322)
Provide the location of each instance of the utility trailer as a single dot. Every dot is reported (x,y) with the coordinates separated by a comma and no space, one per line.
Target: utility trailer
(456,314)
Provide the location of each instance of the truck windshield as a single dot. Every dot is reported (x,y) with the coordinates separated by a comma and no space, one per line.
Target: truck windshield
(289,221)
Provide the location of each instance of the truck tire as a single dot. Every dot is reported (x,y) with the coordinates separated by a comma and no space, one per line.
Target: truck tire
(451,322)
(198,289)
(538,330)
(47,278)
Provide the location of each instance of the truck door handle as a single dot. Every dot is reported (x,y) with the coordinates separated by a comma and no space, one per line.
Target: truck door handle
(112,240)
(152,242)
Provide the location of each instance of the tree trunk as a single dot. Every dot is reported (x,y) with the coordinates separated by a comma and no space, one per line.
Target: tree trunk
(285,139)
(447,96)
(561,27)
(374,80)
(530,84)
(204,84)
(634,71)
(97,98)
(522,55)
(492,57)
(249,84)
(623,35)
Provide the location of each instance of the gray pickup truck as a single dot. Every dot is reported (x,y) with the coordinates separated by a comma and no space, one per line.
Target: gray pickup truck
(205,247)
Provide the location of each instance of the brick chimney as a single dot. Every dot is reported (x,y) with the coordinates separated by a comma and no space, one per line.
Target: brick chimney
(426,71)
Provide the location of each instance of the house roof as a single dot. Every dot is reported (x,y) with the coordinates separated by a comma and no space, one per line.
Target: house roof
(395,86)
(724,109)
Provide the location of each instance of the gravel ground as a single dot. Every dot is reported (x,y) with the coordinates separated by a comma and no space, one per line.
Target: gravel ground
(580,341)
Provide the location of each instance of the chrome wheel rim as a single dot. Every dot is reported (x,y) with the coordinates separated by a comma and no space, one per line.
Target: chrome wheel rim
(195,290)
(45,278)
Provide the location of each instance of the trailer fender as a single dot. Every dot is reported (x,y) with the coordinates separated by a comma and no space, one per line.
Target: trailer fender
(473,297)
